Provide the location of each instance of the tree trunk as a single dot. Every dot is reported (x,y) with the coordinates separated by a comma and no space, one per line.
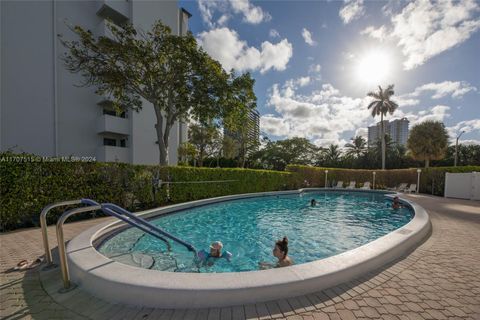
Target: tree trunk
(200,157)
(382,128)
(162,144)
(427,162)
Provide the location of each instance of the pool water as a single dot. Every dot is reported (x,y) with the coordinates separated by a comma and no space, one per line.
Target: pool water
(248,228)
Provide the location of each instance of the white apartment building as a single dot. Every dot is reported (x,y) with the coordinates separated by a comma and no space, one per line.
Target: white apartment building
(396,129)
(43,112)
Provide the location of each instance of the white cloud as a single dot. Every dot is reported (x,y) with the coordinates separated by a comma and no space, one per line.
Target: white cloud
(224,45)
(467,126)
(424,29)
(251,14)
(379,33)
(322,116)
(299,82)
(406,101)
(441,89)
(314,68)
(362,132)
(469,142)
(273,125)
(455,89)
(352,10)
(436,113)
(307,36)
(223,20)
(274,33)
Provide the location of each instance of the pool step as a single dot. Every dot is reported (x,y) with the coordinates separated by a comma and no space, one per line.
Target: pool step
(136,259)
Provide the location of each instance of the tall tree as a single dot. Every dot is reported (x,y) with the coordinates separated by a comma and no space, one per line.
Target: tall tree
(171,72)
(381,105)
(204,138)
(278,154)
(187,151)
(229,147)
(238,123)
(428,141)
(357,148)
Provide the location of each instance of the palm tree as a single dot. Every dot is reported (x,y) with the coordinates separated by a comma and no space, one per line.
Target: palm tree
(357,148)
(380,106)
(332,155)
(428,141)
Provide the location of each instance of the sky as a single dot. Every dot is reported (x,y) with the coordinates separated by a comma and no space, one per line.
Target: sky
(314,61)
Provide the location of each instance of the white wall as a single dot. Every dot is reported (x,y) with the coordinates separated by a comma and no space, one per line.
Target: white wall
(27,113)
(462,185)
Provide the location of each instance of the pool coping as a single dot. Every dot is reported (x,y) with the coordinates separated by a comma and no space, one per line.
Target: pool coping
(120,283)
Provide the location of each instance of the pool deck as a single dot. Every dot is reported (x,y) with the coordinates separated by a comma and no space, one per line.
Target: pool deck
(438,280)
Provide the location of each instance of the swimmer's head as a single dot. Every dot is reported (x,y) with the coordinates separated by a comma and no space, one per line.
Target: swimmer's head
(216,249)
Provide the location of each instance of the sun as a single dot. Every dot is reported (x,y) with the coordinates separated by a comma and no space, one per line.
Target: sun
(374,67)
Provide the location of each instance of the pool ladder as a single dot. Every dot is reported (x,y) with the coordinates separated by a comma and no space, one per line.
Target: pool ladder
(108,208)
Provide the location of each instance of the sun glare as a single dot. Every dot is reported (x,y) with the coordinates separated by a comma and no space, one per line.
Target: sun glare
(374,67)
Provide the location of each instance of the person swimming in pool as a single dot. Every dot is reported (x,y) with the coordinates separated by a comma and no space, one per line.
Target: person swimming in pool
(313,203)
(215,253)
(396,203)
(281,253)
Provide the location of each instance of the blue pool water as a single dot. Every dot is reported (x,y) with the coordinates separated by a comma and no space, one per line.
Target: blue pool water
(248,228)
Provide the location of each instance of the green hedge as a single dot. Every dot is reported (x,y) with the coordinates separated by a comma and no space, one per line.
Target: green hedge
(28,185)
(432,180)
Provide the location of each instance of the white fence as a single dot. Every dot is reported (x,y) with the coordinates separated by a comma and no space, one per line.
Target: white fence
(462,185)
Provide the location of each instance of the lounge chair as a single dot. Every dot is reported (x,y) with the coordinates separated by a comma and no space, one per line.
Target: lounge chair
(351,185)
(339,184)
(366,185)
(402,187)
(413,188)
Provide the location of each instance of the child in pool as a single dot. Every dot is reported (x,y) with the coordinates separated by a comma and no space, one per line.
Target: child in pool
(215,253)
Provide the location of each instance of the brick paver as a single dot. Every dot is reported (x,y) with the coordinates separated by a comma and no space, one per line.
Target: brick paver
(438,280)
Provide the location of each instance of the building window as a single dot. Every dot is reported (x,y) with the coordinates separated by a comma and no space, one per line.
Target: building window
(123,143)
(112,112)
(109,142)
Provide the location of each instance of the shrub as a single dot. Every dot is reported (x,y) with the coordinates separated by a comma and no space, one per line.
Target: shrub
(29,183)
(432,180)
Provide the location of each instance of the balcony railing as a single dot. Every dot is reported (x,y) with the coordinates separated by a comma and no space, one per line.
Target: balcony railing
(113,154)
(111,124)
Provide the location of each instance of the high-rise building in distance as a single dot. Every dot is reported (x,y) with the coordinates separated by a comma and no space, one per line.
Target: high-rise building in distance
(396,129)
(253,129)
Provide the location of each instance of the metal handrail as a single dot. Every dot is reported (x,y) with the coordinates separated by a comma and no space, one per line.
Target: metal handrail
(132,220)
(111,206)
(61,241)
(43,225)
(115,211)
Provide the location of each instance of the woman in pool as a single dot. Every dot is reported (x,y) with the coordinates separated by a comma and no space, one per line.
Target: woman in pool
(313,203)
(281,253)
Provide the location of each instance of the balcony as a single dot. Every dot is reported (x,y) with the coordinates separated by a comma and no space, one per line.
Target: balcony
(113,154)
(103,31)
(111,124)
(116,10)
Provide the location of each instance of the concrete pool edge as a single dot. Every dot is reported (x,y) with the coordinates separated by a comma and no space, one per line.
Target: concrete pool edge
(116,282)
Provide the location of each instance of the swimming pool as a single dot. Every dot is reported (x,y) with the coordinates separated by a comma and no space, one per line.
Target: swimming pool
(248,228)
(120,282)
